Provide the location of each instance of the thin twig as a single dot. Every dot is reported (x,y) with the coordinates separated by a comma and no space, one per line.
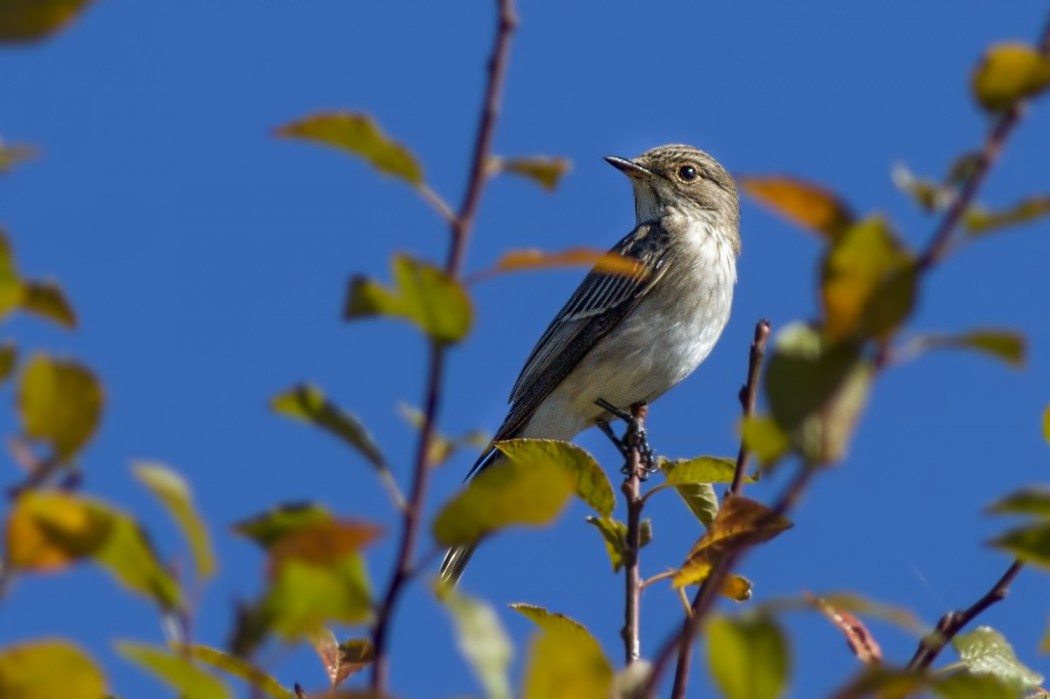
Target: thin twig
(748,398)
(460,227)
(632,489)
(953,622)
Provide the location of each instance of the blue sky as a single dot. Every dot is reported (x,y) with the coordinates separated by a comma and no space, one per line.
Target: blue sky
(208,261)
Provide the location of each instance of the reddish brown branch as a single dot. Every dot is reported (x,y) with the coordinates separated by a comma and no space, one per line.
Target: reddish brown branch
(460,227)
(953,622)
(632,490)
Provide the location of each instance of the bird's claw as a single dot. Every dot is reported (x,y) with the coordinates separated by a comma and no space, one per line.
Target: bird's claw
(635,437)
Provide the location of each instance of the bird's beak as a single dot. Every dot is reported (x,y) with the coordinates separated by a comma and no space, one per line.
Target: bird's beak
(628,167)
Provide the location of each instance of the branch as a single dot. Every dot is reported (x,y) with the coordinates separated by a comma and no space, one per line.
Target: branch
(953,622)
(632,489)
(460,227)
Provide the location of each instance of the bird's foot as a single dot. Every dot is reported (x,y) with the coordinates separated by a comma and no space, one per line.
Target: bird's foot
(634,437)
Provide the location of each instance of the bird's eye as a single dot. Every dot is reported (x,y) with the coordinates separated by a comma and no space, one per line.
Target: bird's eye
(687,173)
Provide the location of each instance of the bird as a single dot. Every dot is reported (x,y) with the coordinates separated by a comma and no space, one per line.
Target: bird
(626,339)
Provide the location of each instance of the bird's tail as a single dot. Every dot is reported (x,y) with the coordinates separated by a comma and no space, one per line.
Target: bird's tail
(456,560)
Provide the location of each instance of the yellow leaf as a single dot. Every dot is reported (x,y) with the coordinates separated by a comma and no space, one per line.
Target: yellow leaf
(358,135)
(1008,73)
(590,483)
(29,20)
(60,402)
(739,522)
(174,493)
(8,359)
(763,437)
(176,670)
(737,588)
(49,669)
(565,661)
(543,170)
(236,667)
(806,204)
(601,260)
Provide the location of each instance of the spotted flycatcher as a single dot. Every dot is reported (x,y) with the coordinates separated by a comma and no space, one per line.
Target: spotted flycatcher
(626,339)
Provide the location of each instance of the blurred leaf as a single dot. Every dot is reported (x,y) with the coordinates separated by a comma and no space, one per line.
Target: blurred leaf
(565,661)
(979,221)
(174,493)
(806,204)
(1034,500)
(1046,423)
(1030,543)
(868,282)
(590,483)
(11,290)
(341,660)
(50,530)
(1002,344)
(763,437)
(324,542)
(601,260)
(883,682)
(358,135)
(985,651)
(49,669)
(897,616)
(237,667)
(267,528)
(816,392)
(614,533)
(504,494)
(739,522)
(442,447)
(930,196)
(965,685)
(8,360)
(16,153)
(30,20)
(1008,73)
(47,300)
(422,294)
(737,588)
(858,637)
(963,167)
(749,657)
(481,640)
(175,670)
(543,170)
(59,402)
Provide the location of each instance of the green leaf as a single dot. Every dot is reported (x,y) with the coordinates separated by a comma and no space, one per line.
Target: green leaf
(763,437)
(8,360)
(50,530)
(979,221)
(504,494)
(749,657)
(11,290)
(423,294)
(868,282)
(49,669)
(806,204)
(481,640)
(816,391)
(30,20)
(14,154)
(175,670)
(238,668)
(59,402)
(614,533)
(358,135)
(543,170)
(965,685)
(1034,500)
(700,498)
(1003,344)
(269,527)
(565,661)
(985,651)
(1046,423)
(883,682)
(1008,73)
(590,483)
(47,300)
(174,493)
(1030,543)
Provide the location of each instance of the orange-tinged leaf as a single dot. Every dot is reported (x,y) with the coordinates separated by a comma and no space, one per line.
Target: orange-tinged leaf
(13,154)
(271,526)
(740,522)
(806,204)
(532,259)
(60,402)
(868,282)
(858,637)
(1008,73)
(30,20)
(543,170)
(47,300)
(359,135)
(737,588)
(49,669)
(324,542)
(341,660)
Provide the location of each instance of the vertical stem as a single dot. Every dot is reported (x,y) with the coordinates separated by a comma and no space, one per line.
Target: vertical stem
(632,490)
